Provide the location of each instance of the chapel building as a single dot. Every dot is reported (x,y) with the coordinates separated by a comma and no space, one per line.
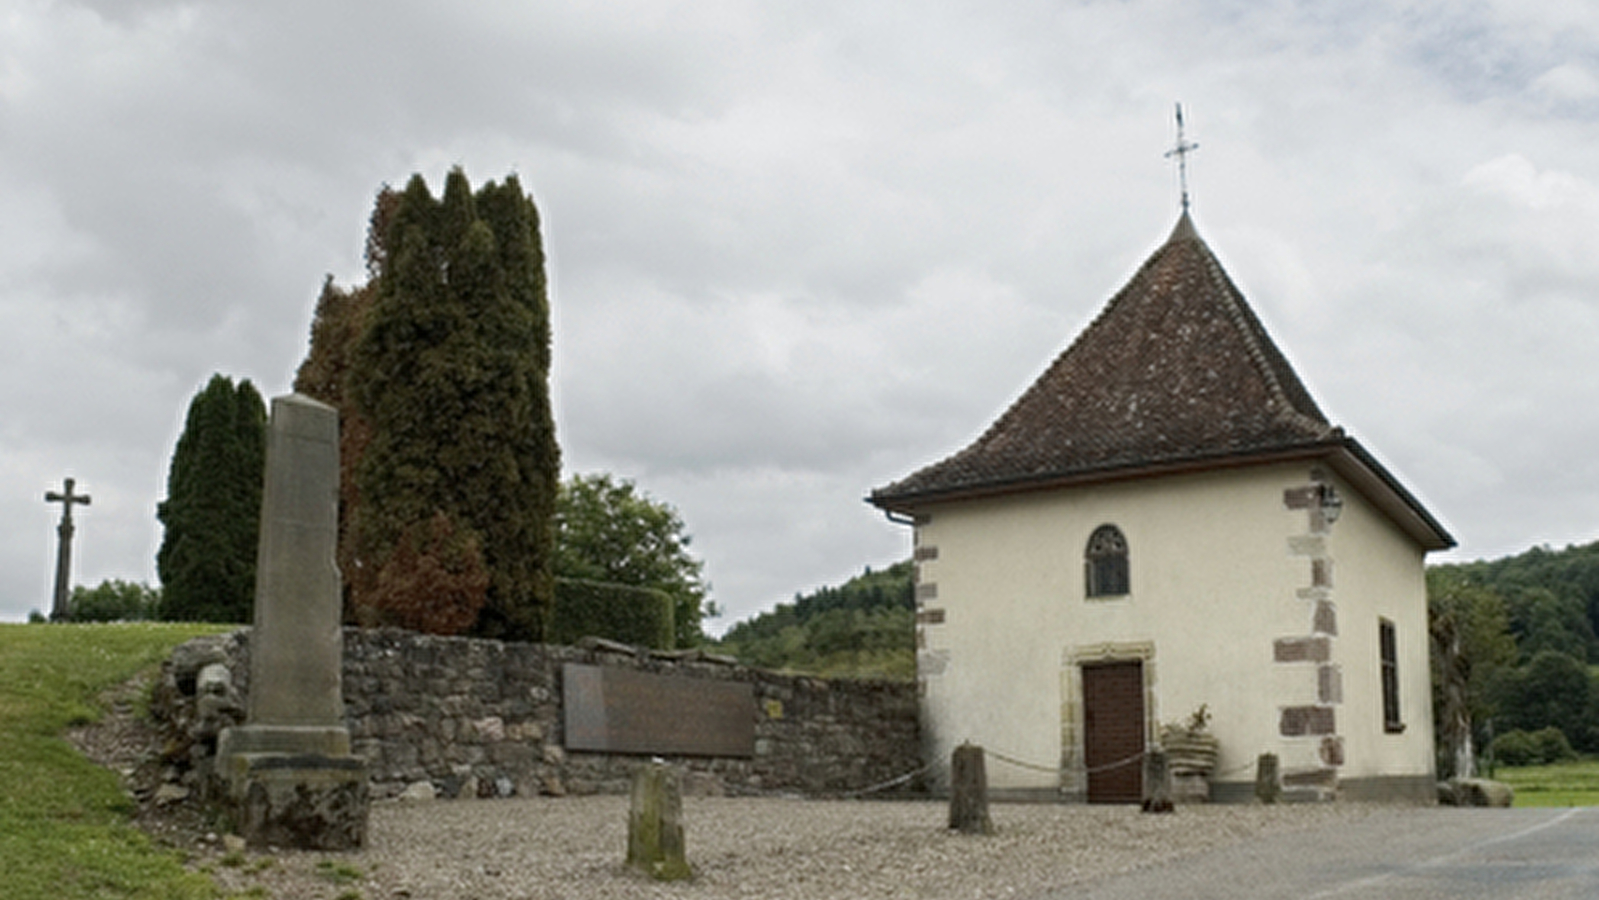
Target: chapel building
(1166,520)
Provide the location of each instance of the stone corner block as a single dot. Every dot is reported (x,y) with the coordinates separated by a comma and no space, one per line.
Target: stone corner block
(1317,649)
(1306,721)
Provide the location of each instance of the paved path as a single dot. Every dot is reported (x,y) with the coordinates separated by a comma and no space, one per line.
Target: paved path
(1424,854)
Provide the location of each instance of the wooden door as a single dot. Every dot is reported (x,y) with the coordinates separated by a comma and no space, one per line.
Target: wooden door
(1113,733)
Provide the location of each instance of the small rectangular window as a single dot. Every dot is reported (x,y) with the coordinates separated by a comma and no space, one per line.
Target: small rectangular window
(1388,647)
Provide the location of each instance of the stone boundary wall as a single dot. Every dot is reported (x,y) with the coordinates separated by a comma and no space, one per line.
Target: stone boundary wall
(471,717)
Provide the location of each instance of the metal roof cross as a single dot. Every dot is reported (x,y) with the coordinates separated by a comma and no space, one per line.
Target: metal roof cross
(1181,151)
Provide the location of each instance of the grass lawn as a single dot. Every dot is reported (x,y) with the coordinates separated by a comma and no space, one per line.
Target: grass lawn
(1559,784)
(64,822)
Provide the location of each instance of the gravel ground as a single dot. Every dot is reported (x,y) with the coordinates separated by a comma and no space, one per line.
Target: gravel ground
(572,848)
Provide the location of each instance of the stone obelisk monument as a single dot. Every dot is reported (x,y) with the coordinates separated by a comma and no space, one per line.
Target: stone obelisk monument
(287,774)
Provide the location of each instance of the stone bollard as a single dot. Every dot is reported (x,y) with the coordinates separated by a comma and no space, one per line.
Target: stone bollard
(1157,782)
(655,825)
(1268,784)
(968,792)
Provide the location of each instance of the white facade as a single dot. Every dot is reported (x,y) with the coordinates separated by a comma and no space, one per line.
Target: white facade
(1243,597)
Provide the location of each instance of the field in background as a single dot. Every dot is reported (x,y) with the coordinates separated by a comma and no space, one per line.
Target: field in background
(1558,784)
(64,827)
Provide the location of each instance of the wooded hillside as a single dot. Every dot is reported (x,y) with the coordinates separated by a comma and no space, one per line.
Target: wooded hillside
(862,628)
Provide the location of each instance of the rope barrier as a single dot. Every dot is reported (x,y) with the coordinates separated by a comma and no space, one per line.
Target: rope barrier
(1234,770)
(892,782)
(1025,765)
(1055,770)
(1115,765)
(1095,770)
(1051,770)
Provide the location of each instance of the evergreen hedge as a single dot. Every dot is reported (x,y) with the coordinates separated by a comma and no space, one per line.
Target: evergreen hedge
(618,612)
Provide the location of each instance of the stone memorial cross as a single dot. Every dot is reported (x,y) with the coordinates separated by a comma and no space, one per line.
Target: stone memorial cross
(61,609)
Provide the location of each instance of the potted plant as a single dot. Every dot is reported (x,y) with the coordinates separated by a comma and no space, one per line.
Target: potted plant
(1190,755)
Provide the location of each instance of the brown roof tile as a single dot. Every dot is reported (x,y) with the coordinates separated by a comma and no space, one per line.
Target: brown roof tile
(1175,369)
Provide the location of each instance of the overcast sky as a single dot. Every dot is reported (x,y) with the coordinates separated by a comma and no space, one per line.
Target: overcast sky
(798,250)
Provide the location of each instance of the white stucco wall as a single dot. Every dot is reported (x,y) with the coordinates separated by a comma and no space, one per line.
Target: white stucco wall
(1215,579)
(1379,574)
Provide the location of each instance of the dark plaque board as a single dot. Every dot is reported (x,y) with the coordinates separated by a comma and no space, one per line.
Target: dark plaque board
(623,711)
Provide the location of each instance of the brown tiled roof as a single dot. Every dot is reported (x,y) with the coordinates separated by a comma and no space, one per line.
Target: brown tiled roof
(1176,369)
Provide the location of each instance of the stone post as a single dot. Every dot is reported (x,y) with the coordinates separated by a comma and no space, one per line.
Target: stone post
(290,780)
(968,791)
(1268,783)
(655,825)
(1157,782)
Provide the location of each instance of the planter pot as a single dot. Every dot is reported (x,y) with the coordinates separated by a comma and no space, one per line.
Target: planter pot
(1188,753)
(1187,788)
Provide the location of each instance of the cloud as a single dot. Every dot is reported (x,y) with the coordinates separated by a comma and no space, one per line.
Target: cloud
(1567,84)
(798,251)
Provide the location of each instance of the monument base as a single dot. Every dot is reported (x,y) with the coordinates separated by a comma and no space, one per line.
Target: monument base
(314,740)
(290,787)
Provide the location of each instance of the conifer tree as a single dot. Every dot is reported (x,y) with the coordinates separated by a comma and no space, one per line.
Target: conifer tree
(448,375)
(213,508)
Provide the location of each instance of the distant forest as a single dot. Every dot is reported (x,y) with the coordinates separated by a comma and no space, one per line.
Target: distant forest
(864,628)
(1551,598)
(1520,637)
(1524,628)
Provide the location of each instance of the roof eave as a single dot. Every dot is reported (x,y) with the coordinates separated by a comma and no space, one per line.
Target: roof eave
(911,501)
(1364,473)
(1344,454)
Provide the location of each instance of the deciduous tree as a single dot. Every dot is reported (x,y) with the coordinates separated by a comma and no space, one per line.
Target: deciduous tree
(115,600)
(1471,644)
(1553,688)
(606,529)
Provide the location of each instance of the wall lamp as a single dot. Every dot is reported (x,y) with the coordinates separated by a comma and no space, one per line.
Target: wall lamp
(1331,503)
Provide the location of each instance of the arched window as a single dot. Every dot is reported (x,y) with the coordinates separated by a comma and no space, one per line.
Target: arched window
(1106,562)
